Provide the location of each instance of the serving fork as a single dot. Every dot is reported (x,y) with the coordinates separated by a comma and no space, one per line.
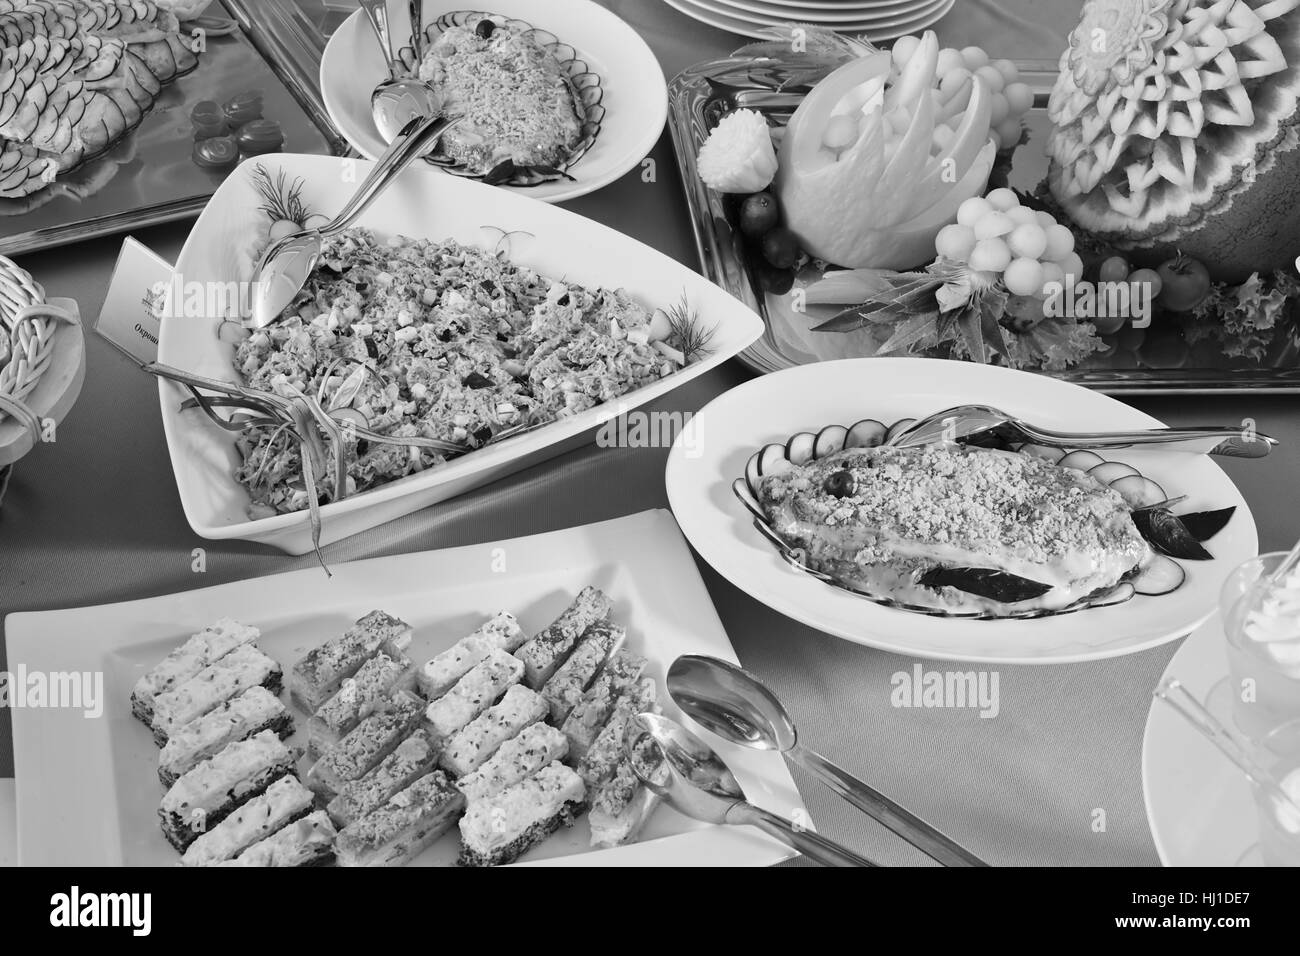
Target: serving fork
(965,422)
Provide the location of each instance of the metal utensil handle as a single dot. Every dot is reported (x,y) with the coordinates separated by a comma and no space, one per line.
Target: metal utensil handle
(409,145)
(812,845)
(377,14)
(880,808)
(1230,442)
(416,10)
(1233,746)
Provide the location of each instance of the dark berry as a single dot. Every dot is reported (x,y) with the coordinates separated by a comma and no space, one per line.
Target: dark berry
(841,484)
(485,28)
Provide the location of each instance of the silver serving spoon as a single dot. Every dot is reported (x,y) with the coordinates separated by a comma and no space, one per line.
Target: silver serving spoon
(685,771)
(288,262)
(966,421)
(735,705)
(400,98)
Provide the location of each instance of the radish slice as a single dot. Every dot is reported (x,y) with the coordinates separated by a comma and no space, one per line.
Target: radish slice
(1045,452)
(896,429)
(867,433)
(801,448)
(1161,576)
(1112,471)
(1116,595)
(1081,460)
(1139,492)
(772,460)
(830,440)
(752,474)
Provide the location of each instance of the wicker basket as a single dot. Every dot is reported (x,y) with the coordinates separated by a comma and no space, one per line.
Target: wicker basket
(36,345)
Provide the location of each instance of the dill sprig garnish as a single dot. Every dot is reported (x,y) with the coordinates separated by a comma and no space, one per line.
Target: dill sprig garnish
(281,199)
(687,333)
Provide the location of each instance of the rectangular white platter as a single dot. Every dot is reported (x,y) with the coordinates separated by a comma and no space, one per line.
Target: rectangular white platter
(88,791)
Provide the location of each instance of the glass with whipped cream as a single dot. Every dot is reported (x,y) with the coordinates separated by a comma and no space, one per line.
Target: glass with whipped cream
(1279,821)
(1261,619)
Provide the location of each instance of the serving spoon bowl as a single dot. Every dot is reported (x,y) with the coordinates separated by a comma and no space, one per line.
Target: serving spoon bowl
(287,263)
(730,702)
(400,98)
(696,782)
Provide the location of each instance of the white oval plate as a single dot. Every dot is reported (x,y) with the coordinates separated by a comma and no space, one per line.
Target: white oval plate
(847,16)
(423,203)
(1199,805)
(760,29)
(635,93)
(705,461)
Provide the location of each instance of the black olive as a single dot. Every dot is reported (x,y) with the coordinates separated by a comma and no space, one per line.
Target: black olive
(481,435)
(445,335)
(475,380)
(485,28)
(372,349)
(363,446)
(841,484)
(563,300)
(487,285)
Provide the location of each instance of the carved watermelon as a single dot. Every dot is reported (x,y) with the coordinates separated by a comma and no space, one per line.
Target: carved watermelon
(1176,128)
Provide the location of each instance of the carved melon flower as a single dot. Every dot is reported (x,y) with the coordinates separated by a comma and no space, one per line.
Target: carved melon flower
(1114,40)
(1153,95)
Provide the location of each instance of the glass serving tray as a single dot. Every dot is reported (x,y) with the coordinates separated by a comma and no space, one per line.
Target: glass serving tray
(149,177)
(695,107)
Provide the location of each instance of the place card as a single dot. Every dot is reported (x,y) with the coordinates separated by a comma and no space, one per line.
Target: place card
(137,296)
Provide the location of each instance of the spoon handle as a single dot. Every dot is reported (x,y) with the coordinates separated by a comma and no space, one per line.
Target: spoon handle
(377,13)
(885,811)
(416,10)
(812,845)
(1234,442)
(410,144)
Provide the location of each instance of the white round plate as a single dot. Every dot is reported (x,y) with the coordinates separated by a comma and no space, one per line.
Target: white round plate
(712,454)
(1199,805)
(635,93)
(799,9)
(833,15)
(750,25)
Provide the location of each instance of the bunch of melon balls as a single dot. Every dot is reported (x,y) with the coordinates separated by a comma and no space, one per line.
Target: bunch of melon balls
(1001,240)
(954,78)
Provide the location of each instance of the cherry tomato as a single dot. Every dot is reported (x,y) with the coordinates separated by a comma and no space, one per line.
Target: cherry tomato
(759,215)
(209,120)
(1148,277)
(216,152)
(260,136)
(1114,269)
(245,108)
(781,248)
(774,280)
(1185,283)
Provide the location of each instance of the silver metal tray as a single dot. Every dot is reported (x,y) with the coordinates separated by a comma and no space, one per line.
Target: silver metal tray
(695,107)
(149,177)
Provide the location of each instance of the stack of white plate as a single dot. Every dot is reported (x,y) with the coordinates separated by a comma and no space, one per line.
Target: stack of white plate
(875,20)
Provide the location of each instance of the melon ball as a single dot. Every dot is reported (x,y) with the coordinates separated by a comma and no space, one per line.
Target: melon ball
(949,60)
(974,57)
(841,132)
(1003,199)
(1009,129)
(1046,220)
(1060,243)
(955,242)
(1001,110)
(1010,72)
(1028,241)
(954,82)
(1052,272)
(975,209)
(990,255)
(993,225)
(1023,276)
(1024,216)
(903,49)
(943,137)
(899,119)
(1072,265)
(1020,98)
(992,78)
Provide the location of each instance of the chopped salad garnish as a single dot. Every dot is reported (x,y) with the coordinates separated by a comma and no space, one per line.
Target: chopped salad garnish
(410,338)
